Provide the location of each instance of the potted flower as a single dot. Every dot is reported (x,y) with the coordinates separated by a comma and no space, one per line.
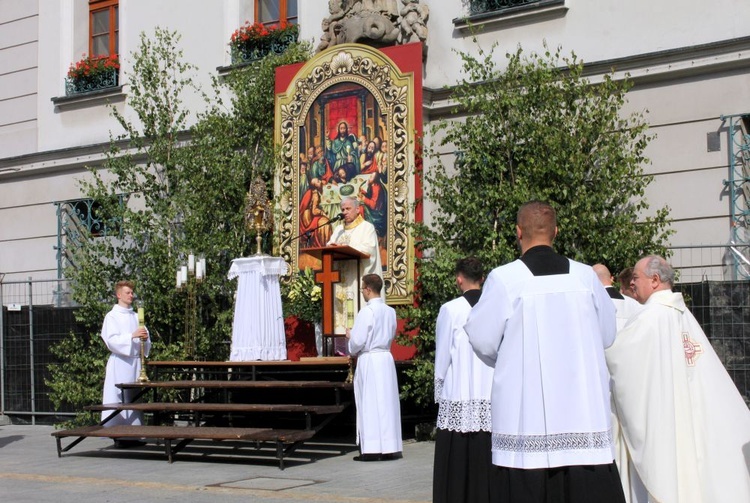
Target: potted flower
(92,73)
(302,298)
(255,41)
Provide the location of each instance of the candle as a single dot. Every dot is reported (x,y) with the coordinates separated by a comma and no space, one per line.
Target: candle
(179,278)
(191,263)
(141,317)
(184,273)
(349,312)
(203,265)
(198,270)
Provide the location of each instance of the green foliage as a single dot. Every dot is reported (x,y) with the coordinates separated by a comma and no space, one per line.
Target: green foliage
(302,296)
(168,190)
(537,129)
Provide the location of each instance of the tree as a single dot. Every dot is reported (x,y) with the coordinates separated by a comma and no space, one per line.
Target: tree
(166,190)
(537,129)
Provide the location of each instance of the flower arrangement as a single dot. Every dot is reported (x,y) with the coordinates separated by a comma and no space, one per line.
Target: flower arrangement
(302,297)
(92,66)
(251,42)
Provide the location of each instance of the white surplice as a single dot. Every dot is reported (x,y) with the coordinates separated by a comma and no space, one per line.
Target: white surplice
(626,308)
(124,364)
(361,236)
(375,384)
(686,427)
(258,325)
(463,383)
(545,336)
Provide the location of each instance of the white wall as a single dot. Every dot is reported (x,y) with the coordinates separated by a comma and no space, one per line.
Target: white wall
(684,90)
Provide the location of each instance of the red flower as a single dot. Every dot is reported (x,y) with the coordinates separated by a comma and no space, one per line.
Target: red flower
(93,65)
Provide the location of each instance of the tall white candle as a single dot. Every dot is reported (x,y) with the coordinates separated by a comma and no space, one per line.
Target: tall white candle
(198,270)
(203,265)
(179,278)
(184,271)
(191,263)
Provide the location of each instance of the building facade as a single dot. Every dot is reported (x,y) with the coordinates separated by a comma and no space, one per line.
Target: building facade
(690,62)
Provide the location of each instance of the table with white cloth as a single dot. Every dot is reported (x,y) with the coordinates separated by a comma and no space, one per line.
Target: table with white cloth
(258,326)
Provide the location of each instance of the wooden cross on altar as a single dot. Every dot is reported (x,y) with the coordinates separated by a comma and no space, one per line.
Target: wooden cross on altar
(327,276)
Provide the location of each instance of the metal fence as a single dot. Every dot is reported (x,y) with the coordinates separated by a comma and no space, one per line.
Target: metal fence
(35,316)
(38,314)
(728,262)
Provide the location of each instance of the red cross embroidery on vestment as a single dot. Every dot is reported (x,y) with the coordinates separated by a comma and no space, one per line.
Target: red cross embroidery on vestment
(692,349)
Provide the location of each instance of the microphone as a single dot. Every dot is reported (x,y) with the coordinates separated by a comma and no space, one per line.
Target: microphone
(338,217)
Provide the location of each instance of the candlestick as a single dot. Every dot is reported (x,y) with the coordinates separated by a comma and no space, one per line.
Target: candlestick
(142,377)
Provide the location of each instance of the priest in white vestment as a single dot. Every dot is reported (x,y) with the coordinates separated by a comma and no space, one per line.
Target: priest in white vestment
(122,335)
(375,384)
(360,235)
(543,322)
(463,385)
(686,427)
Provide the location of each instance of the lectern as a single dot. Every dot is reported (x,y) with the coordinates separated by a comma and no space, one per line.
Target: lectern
(327,276)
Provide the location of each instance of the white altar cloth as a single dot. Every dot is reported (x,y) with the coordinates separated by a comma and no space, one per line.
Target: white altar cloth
(258,326)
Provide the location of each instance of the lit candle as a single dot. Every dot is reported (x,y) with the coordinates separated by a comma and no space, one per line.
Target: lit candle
(203,266)
(198,270)
(191,263)
(141,317)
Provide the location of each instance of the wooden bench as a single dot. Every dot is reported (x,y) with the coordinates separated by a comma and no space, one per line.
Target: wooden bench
(238,408)
(286,441)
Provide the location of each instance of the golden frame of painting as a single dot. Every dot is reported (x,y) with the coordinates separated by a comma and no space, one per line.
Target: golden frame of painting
(345,127)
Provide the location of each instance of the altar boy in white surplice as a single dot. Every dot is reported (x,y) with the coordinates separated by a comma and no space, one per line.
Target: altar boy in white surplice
(543,322)
(375,384)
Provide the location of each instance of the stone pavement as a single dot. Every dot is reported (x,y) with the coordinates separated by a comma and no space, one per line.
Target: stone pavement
(319,471)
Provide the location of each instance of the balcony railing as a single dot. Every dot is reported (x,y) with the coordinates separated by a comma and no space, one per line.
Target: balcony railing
(483,6)
(106,79)
(259,49)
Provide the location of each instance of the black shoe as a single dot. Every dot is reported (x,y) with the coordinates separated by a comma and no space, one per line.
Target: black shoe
(390,456)
(368,457)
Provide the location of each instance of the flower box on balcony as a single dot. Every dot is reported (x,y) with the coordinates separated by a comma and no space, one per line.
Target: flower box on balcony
(253,42)
(92,73)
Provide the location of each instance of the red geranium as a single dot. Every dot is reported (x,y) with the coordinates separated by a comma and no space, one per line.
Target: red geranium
(91,66)
(257,35)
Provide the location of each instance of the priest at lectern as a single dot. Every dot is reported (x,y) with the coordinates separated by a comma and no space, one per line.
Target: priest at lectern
(360,235)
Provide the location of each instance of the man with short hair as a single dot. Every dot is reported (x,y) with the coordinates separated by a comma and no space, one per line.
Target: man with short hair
(360,235)
(463,385)
(543,322)
(625,306)
(122,335)
(375,384)
(686,427)
(624,280)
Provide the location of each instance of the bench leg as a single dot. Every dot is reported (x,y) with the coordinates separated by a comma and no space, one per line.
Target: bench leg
(168,449)
(280,453)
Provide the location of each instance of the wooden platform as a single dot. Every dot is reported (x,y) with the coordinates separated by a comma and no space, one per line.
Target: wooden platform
(285,440)
(218,400)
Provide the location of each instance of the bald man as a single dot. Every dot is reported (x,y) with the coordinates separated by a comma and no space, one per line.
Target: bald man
(625,306)
(543,322)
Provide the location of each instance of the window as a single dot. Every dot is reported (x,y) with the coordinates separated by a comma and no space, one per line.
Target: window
(103,27)
(276,11)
